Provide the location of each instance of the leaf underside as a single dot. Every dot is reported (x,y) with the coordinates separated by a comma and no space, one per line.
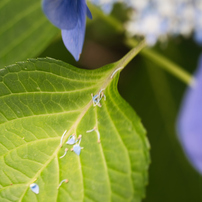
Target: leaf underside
(24,31)
(42,98)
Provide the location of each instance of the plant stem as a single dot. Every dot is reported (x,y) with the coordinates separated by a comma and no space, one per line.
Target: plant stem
(132,53)
(160,60)
(164,63)
(119,65)
(169,66)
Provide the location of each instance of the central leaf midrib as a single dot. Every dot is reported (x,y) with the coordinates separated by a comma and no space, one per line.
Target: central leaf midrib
(105,84)
(58,148)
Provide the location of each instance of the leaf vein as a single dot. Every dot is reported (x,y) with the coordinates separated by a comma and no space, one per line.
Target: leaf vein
(45,92)
(104,159)
(3,158)
(40,115)
(25,145)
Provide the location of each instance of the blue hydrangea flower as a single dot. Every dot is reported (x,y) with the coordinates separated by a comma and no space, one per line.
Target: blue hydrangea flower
(190,121)
(70,17)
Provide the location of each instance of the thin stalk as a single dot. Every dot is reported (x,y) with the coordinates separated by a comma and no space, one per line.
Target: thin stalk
(119,65)
(132,53)
(164,63)
(160,60)
(169,66)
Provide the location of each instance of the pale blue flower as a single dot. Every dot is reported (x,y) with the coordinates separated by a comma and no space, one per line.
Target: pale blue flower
(190,121)
(70,17)
(35,188)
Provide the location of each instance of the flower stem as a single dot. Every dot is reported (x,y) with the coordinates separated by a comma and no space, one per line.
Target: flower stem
(132,53)
(164,63)
(169,66)
(119,65)
(160,60)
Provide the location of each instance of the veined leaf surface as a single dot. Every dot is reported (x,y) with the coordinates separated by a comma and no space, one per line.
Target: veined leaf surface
(42,98)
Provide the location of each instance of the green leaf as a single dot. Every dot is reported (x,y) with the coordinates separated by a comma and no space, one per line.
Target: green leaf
(171,176)
(40,99)
(24,31)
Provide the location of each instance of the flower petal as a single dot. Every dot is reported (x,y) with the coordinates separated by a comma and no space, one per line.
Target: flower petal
(88,13)
(190,121)
(71,140)
(74,38)
(62,13)
(198,36)
(77,149)
(34,187)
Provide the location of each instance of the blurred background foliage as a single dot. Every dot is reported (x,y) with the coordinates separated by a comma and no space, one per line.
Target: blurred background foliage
(153,93)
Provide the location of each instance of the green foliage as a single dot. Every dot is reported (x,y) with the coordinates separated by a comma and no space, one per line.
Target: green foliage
(24,31)
(156,96)
(40,99)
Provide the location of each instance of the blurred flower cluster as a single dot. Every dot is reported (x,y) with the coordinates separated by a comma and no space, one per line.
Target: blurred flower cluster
(157,19)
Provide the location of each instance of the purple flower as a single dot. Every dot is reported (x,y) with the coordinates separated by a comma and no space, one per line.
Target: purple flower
(190,121)
(198,36)
(70,17)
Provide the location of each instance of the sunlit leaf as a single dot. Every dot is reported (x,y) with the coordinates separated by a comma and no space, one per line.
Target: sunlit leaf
(156,95)
(40,99)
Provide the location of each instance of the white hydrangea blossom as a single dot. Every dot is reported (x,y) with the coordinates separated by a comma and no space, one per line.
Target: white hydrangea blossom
(157,19)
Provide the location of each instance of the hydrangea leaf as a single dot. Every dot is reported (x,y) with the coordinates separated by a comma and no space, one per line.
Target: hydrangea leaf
(24,32)
(42,98)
